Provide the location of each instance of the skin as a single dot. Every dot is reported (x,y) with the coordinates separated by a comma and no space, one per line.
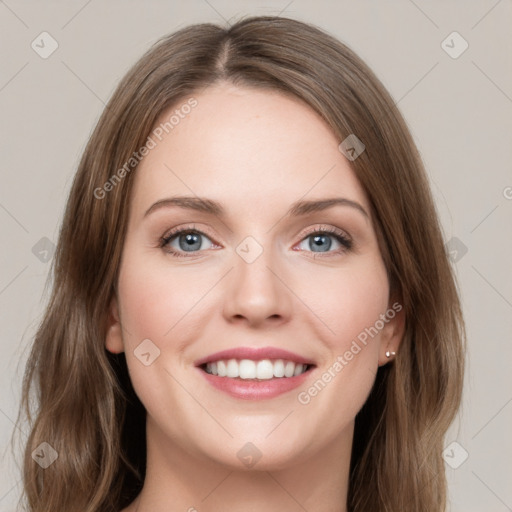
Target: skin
(255,152)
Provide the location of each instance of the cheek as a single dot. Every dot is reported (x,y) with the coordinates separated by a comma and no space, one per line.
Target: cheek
(154,306)
(156,302)
(350,300)
(351,305)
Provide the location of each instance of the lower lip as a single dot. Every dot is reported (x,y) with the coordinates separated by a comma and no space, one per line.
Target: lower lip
(255,389)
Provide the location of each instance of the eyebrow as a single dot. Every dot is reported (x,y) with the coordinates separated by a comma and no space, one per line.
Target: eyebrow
(214,208)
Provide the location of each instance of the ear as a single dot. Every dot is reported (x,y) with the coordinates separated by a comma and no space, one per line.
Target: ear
(392,332)
(114,338)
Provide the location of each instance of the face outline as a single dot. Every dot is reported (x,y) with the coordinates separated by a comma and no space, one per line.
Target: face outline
(256,153)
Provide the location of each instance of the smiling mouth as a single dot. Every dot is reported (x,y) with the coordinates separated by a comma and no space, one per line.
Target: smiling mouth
(248,369)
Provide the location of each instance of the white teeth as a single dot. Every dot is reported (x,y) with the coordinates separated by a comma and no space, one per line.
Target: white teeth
(264,369)
(247,369)
(221,369)
(279,368)
(298,370)
(232,368)
(289,369)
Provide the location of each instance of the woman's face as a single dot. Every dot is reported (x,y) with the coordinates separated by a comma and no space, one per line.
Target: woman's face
(255,273)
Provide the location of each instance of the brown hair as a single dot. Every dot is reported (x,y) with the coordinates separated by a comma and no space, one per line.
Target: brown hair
(87,409)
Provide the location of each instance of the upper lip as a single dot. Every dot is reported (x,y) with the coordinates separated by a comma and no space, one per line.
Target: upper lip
(254,353)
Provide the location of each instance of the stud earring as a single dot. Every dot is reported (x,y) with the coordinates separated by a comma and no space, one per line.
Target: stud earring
(389,354)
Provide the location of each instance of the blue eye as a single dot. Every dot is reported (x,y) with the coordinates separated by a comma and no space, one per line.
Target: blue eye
(322,240)
(189,240)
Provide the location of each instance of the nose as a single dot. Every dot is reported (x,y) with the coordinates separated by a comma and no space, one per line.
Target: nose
(257,292)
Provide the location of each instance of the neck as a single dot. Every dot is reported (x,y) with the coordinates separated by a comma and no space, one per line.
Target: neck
(177,480)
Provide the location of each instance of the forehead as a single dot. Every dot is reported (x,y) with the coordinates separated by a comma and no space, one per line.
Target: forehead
(245,146)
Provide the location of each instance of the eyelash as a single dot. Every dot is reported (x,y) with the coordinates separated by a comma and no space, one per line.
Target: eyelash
(339,235)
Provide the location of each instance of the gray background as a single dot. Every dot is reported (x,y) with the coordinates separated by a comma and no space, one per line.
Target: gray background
(459,111)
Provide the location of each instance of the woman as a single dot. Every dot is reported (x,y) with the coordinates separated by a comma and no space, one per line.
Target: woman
(262,370)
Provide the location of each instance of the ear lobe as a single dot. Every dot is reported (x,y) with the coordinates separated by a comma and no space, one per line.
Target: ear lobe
(392,334)
(114,336)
